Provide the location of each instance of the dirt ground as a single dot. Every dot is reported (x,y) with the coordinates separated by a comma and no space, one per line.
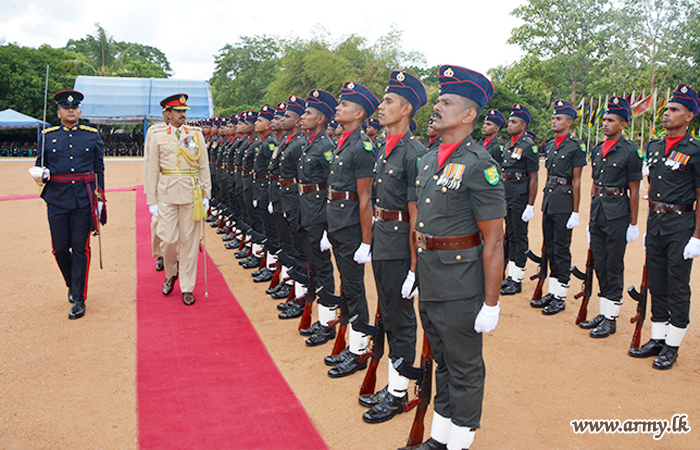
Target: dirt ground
(71,384)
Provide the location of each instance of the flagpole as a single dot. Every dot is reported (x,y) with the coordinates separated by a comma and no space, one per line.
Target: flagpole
(597,122)
(653,111)
(590,110)
(632,128)
(580,128)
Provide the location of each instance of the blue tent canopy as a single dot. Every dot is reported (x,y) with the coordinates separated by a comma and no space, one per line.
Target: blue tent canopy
(123,100)
(10,119)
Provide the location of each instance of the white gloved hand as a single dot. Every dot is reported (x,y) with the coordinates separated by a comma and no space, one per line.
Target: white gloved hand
(692,248)
(408,284)
(487,319)
(572,222)
(645,169)
(632,233)
(363,254)
(255,203)
(205,202)
(588,234)
(153,209)
(100,205)
(325,244)
(46,173)
(528,214)
(270,209)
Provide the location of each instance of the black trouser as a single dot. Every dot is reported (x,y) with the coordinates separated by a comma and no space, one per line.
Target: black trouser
(457,350)
(70,239)
(398,315)
(298,236)
(669,277)
(352,275)
(557,243)
(254,217)
(517,230)
(608,244)
(268,219)
(319,262)
(283,233)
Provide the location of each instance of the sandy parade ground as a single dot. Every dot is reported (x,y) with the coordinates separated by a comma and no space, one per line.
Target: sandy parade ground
(71,384)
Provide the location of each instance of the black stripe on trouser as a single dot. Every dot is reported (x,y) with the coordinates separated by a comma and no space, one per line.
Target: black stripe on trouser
(352,275)
(557,240)
(517,230)
(608,245)
(70,239)
(319,261)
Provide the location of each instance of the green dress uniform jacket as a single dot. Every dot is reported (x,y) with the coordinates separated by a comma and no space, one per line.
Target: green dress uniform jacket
(495,149)
(314,168)
(620,166)
(561,162)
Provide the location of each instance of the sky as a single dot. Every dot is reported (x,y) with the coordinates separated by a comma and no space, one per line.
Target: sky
(466,33)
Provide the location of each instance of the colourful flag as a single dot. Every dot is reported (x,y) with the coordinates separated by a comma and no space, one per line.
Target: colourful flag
(643,105)
(579,110)
(662,107)
(592,116)
(598,115)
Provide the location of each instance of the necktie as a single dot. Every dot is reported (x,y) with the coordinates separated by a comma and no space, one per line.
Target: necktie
(177,133)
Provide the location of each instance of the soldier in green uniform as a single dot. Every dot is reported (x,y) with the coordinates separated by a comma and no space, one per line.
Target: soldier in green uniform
(349,213)
(493,123)
(314,168)
(566,156)
(393,237)
(673,228)
(373,128)
(268,144)
(521,163)
(461,205)
(617,169)
(243,159)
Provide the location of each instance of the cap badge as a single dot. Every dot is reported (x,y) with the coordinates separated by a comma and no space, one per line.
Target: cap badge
(351,85)
(183,99)
(616,101)
(684,89)
(70,98)
(448,72)
(517,106)
(491,111)
(315,94)
(292,98)
(559,103)
(400,76)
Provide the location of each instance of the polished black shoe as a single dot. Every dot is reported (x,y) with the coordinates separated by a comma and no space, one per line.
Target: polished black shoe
(259,272)
(512,287)
(282,292)
(228,237)
(292,312)
(334,360)
(169,285)
(651,348)
(350,365)
(252,262)
(605,329)
(387,408)
(233,245)
(372,400)
(311,330)
(210,219)
(286,305)
(430,444)
(78,310)
(159,264)
(320,337)
(222,230)
(593,323)
(666,358)
(504,283)
(270,291)
(264,277)
(216,223)
(70,297)
(188,298)
(554,307)
(240,254)
(544,301)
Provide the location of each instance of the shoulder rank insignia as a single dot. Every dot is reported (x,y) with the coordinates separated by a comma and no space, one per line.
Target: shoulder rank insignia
(49,130)
(368,146)
(583,148)
(90,129)
(328,155)
(492,175)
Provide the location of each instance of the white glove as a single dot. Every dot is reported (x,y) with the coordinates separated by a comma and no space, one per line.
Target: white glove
(153,209)
(100,205)
(255,203)
(487,319)
(645,169)
(362,254)
(270,209)
(325,244)
(632,233)
(205,202)
(528,214)
(692,249)
(46,173)
(588,234)
(408,284)
(572,222)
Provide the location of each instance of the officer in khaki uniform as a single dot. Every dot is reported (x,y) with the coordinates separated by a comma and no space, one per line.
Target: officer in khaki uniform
(155,239)
(349,213)
(178,186)
(566,156)
(393,236)
(461,204)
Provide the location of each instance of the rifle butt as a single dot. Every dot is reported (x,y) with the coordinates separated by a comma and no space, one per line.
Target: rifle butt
(415,437)
(340,344)
(370,381)
(637,336)
(276,277)
(409,405)
(582,312)
(305,321)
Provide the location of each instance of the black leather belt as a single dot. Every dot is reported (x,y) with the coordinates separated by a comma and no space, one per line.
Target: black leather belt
(600,190)
(515,175)
(668,208)
(559,181)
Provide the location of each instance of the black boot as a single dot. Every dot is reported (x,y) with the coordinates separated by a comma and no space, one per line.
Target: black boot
(222,230)
(210,219)
(320,337)
(264,277)
(78,310)
(311,330)
(233,245)
(286,305)
(555,306)
(350,365)
(605,329)
(430,444)
(228,237)
(283,292)
(251,263)
(371,400)
(652,348)
(512,287)
(270,291)
(593,323)
(544,301)
(387,408)
(334,360)
(216,223)
(240,254)
(666,358)
(294,311)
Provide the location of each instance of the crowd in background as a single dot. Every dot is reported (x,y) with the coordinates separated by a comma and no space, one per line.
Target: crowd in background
(24,144)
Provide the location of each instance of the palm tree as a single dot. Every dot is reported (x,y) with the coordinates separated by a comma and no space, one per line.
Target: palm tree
(103,56)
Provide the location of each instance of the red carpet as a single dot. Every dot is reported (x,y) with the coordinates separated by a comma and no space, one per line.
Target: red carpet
(27,196)
(204,378)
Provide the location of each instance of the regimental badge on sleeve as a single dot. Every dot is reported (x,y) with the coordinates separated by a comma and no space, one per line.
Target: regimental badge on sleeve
(271,147)
(640,152)
(328,155)
(535,149)
(368,146)
(583,148)
(492,175)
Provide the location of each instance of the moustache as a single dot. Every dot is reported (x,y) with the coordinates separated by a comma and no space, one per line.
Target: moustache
(435,115)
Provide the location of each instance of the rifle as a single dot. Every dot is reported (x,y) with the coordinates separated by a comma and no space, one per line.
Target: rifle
(541,274)
(641,299)
(424,385)
(305,321)
(331,300)
(506,255)
(377,334)
(586,286)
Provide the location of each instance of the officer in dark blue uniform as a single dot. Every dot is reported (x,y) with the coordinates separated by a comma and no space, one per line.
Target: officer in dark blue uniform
(74,194)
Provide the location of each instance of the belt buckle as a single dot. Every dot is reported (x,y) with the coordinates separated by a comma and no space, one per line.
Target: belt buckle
(377,213)
(422,240)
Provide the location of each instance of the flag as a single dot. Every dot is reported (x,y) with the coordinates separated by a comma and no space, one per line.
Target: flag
(579,110)
(592,116)
(597,117)
(663,105)
(643,105)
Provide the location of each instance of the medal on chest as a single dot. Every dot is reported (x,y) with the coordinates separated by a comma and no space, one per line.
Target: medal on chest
(517,153)
(451,176)
(676,159)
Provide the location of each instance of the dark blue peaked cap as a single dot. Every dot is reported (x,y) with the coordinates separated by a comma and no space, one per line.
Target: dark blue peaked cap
(496,117)
(564,107)
(619,106)
(465,82)
(323,101)
(408,87)
(267,113)
(68,99)
(360,94)
(521,111)
(686,97)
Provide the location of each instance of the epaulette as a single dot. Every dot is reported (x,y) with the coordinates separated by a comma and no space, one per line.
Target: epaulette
(49,130)
(87,128)
(529,140)
(694,141)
